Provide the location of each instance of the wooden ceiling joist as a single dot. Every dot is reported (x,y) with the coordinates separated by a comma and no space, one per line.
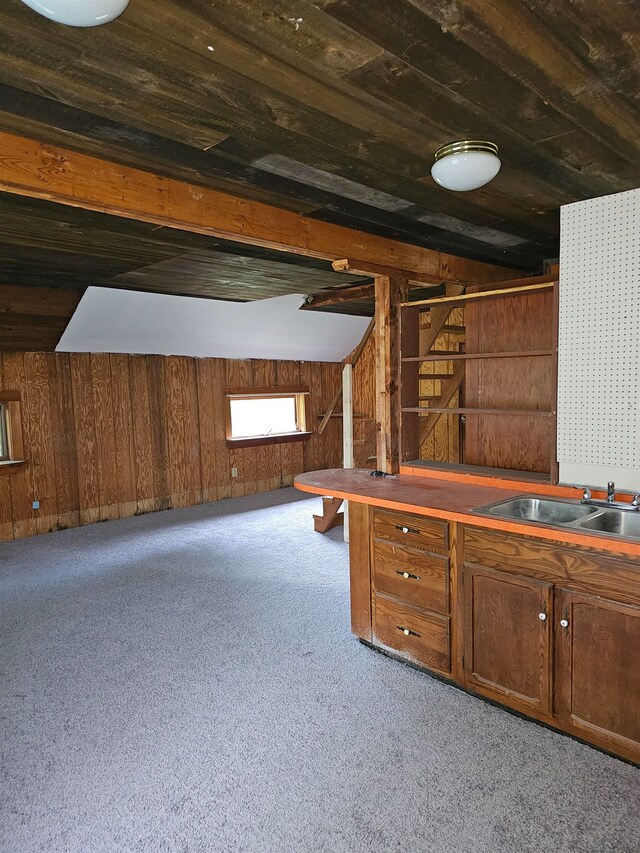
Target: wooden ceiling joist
(29,168)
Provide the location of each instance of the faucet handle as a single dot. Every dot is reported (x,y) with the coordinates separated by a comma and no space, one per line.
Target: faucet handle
(586,492)
(635,500)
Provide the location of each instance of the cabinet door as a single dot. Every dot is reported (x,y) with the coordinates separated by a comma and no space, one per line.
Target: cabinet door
(598,644)
(508,645)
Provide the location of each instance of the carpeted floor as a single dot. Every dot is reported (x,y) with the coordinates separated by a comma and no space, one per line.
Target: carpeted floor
(186,681)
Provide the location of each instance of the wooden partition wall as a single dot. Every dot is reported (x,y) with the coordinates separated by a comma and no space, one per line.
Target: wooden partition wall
(110,436)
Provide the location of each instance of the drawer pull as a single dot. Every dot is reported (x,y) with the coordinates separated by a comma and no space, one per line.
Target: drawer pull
(407,529)
(407,631)
(408,575)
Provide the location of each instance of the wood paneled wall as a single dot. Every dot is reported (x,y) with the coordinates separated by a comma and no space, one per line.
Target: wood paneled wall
(519,324)
(110,436)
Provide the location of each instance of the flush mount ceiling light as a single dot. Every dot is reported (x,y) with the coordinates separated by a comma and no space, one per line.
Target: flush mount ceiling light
(466,165)
(79,13)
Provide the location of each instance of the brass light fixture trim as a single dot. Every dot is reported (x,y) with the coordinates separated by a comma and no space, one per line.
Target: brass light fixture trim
(464,145)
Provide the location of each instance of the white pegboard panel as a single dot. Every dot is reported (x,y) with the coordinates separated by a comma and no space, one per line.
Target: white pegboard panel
(599,332)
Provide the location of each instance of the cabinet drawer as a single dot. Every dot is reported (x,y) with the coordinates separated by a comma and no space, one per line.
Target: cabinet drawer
(426,534)
(421,637)
(417,578)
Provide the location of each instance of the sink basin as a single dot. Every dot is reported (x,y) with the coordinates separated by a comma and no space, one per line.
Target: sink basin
(616,522)
(539,509)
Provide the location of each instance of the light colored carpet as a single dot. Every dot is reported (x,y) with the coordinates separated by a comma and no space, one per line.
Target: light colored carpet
(186,681)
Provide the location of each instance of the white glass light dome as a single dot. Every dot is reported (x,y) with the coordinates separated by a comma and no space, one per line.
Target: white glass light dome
(464,166)
(79,13)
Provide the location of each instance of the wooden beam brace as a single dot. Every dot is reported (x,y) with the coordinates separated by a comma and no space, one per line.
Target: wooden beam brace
(377,271)
(339,295)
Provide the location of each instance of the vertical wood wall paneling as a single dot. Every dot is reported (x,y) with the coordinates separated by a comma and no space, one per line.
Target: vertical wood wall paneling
(86,440)
(37,411)
(64,440)
(142,436)
(109,436)
(105,436)
(6,510)
(207,416)
(165,413)
(331,380)
(518,324)
(222,454)
(21,483)
(125,455)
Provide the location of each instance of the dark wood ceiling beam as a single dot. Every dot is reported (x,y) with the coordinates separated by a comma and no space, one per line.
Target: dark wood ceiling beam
(30,169)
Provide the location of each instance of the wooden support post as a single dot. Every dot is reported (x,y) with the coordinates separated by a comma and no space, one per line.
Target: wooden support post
(347,432)
(389,293)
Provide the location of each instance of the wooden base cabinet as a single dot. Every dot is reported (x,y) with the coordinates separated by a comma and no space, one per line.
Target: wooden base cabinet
(599,670)
(508,637)
(553,631)
(547,629)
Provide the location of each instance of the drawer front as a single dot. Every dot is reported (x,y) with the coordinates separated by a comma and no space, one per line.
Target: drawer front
(422,638)
(415,577)
(425,534)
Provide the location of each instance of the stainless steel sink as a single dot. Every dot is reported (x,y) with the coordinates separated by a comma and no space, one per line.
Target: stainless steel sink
(541,510)
(616,522)
(566,513)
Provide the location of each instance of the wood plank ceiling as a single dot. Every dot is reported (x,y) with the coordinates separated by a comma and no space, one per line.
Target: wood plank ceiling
(50,253)
(334,108)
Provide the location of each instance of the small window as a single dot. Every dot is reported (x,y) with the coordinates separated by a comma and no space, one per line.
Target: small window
(266,416)
(11,445)
(5,454)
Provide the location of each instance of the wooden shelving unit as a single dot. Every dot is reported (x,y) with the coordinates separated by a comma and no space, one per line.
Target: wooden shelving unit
(508,395)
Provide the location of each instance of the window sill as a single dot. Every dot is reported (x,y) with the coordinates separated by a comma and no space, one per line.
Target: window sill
(12,466)
(257,440)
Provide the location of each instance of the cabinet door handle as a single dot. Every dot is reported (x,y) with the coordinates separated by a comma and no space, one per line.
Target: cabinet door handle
(407,575)
(407,631)
(542,616)
(564,623)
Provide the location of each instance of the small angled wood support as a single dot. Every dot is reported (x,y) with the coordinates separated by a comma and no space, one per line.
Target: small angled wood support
(330,517)
(352,358)
(365,448)
(449,388)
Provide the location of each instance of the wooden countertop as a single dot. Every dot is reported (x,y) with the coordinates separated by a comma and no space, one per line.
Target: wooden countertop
(448,500)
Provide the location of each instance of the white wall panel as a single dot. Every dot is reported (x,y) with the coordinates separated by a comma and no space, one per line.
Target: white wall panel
(114,320)
(599,340)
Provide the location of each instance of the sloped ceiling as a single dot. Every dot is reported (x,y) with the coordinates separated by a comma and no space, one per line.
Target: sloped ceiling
(109,320)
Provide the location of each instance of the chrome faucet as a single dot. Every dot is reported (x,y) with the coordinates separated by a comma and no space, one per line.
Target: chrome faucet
(611,501)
